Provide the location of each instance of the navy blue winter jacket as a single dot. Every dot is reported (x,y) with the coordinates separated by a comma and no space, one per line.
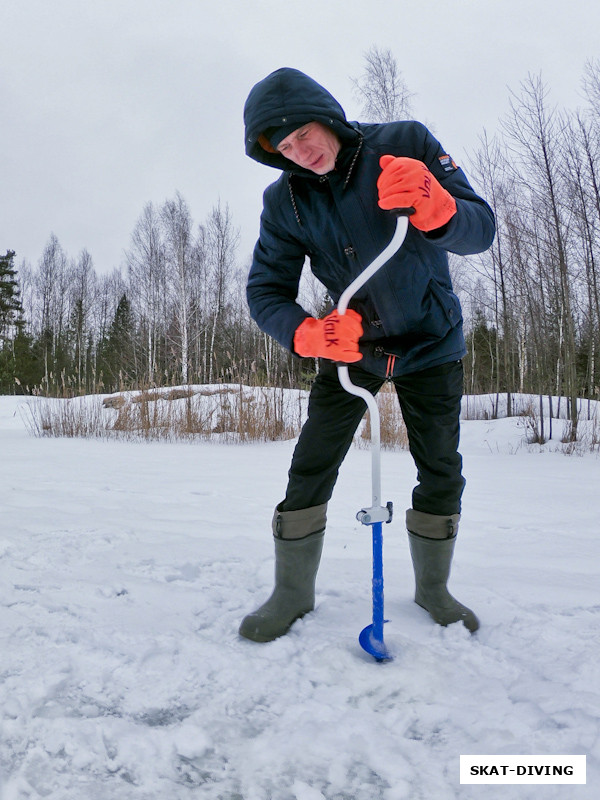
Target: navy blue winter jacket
(408,308)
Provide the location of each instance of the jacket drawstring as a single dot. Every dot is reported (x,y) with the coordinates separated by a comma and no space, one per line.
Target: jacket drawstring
(353,162)
(390,366)
(293,199)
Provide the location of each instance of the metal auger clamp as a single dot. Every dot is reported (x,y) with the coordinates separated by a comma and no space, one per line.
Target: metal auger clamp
(369,516)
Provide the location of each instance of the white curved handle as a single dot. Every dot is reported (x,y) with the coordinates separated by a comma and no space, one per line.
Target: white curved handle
(343,375)
(377,263)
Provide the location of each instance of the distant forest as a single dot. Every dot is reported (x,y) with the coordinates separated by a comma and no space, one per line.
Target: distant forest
(178,313)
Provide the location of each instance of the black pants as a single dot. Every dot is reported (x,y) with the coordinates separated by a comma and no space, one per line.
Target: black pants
(430,402)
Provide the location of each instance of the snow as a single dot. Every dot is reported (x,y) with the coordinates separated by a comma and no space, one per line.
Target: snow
(126,567)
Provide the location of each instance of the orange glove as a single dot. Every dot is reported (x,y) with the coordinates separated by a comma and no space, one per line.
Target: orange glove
(334,337)
(407,182)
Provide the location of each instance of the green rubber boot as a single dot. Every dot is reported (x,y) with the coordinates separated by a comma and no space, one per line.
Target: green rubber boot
(432,539)
(298,537)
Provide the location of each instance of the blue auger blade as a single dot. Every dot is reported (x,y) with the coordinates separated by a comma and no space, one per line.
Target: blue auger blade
(374,647)
(371,637)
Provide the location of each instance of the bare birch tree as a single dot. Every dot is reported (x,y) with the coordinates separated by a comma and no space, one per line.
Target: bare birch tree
(51,289)
(82,290)
(221,242)
(499,190)
(146,263)
(535,138)
(381,89)
(179,251)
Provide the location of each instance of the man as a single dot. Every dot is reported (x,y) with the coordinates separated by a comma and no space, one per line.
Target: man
(332,203)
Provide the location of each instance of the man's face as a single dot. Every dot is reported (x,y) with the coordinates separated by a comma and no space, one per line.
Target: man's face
(313,146)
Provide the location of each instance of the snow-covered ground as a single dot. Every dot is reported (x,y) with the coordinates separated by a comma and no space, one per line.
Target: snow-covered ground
(126,567)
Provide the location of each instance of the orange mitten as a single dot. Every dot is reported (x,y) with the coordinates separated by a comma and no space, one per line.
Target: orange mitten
(407,182)
(334,337)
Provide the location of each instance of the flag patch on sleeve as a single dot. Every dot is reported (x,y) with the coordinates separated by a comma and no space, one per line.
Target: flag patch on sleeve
(447,163)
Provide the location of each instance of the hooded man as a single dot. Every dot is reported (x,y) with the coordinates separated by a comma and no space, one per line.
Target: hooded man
(332,204)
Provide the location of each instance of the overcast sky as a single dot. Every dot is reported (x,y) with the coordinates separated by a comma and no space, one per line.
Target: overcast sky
(108,105)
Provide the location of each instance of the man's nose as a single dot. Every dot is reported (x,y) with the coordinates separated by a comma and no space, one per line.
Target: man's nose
(303,149)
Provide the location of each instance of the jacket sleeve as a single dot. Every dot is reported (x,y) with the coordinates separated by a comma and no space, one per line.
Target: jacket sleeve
(274,278)
(473,227)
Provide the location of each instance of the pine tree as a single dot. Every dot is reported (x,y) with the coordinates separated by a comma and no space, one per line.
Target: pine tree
(16,357)
(480,362)
(11,310)
(116,353)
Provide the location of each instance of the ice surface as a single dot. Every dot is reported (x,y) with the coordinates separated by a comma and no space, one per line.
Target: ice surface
(125,569)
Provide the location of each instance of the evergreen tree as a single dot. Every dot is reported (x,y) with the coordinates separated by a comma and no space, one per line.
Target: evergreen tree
(116,357)
(11,310)
(21,365)
(16,357)
(480,364)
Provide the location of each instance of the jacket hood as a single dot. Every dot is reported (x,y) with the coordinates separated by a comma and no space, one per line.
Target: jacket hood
(285,97)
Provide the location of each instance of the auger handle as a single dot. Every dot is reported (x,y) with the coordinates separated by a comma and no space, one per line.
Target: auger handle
(343,375)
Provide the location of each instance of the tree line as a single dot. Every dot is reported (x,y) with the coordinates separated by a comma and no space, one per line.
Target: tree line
(534,297)
(532,301)
(179,315)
